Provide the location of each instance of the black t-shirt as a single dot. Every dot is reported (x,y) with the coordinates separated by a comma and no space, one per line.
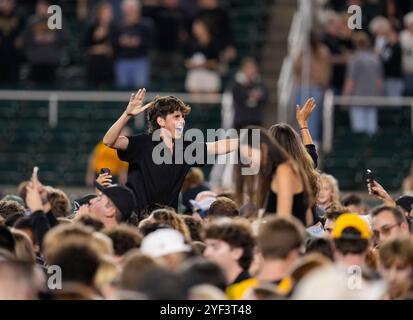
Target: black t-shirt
(209,52)
(10,28)
(158,183)
(219,23)
(170,23)
(391,57)
(144,31)
(337,46)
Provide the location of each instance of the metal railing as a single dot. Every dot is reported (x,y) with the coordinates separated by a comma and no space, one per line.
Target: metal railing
(297,40)
(331,101)
(54,97)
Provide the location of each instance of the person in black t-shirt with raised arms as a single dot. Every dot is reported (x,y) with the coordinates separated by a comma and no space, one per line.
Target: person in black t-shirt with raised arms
(150,180)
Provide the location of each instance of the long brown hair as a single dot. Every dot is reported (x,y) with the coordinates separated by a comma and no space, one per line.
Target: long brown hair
(255,188)
(288,138)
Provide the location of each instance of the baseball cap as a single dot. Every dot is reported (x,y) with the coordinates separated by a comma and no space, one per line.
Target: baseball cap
(122,197)
(350,220)
(203,206)
(83,200)
(405,202)
(163,242)
(13,197)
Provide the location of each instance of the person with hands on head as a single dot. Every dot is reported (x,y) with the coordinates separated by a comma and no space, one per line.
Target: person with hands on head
(152,182)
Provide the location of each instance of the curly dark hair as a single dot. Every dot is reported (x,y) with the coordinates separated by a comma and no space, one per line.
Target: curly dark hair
(161,107)
(237,233)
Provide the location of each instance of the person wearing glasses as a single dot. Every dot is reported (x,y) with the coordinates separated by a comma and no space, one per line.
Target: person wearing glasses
(387,222)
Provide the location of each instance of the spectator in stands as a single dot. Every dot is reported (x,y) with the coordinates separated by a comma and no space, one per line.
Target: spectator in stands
(319,78)
(105,157)
(44,48)
(407,186)
(202,60)
(396,266)
(364,78)
(249,95)
(230,244)
(218,21)
(11,24)
(194,183)
(171,25)
(393,11)
(388,48)
(406,40)
(99,44)
(340,50)
(85,9)
(388,222)
(329,191)
(351,236)
(280,242)
(134,39)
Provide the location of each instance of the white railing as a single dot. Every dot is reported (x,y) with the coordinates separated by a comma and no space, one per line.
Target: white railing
(331,101)
(297,40)
(53,98)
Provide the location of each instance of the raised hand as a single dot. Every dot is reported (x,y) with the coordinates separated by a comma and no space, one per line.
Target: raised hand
(104,179)
(304,113)
(33,199)
(135,105)
(376,189)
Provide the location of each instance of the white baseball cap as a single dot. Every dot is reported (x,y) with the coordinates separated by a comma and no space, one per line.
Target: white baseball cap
(163,242)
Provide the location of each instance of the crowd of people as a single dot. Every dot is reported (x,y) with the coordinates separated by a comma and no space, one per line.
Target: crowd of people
(119,42)
(283,232)
(375,60)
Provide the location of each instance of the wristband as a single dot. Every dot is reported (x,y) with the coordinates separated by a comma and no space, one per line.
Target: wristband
(304,128)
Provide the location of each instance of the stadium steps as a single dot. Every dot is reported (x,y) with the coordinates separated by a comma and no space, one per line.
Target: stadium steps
(389,153)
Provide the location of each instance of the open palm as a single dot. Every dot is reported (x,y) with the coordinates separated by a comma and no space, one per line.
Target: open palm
(304,113)
(135,105)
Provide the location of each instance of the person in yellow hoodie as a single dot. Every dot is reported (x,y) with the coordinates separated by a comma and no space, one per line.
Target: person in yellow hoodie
(105,157)
(230,244)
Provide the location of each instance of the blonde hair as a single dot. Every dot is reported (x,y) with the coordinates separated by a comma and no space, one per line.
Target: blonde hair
(75,233)
(107,274)
(335,197)
(172,219)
